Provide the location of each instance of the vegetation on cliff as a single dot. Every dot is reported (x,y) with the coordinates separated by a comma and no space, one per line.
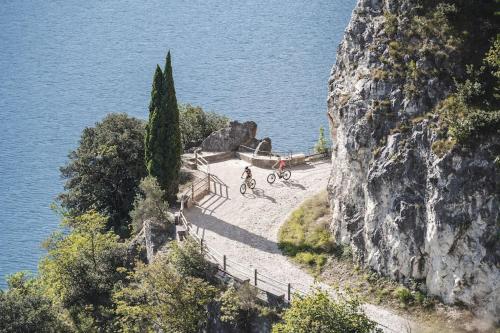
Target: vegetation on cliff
(458,43)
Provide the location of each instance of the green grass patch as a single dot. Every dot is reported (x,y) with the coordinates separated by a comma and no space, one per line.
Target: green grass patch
(305,236)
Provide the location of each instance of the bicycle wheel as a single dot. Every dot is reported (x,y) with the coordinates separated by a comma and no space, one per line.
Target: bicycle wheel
(287,174)
(252,183)
(243,188)
(271,178)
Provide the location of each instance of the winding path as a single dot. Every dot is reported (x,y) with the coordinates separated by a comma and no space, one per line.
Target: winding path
(245,227)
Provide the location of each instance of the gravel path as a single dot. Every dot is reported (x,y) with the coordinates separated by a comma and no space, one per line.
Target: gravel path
(245,227)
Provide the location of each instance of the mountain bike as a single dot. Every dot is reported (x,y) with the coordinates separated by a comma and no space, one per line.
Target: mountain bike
(286,174)
(247,183)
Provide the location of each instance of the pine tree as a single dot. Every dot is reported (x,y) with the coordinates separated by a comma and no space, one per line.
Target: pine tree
(163,140)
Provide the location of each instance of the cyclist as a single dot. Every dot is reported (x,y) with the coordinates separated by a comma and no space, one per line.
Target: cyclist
(281,166)
(249,174)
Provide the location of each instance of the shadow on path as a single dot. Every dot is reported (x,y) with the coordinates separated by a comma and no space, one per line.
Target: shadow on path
(259,193)
(208,222)
(289,184)
(207,203)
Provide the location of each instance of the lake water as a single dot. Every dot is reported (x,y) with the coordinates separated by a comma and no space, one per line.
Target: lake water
(65,64)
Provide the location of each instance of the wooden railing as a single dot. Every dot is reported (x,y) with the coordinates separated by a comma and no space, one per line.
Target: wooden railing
(201,163)
(261,281)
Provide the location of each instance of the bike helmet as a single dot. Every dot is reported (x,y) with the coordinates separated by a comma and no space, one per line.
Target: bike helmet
(246,168)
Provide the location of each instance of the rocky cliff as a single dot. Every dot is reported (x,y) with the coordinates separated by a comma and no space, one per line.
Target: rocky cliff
(415,200)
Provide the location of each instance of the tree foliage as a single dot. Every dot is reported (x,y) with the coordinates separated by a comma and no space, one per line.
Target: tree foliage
(188,260)
(196,125)
(81,269)
(158,297)
(150,205)
(24,308)
(240,306)
(318,313)
(103,173)
(163,140)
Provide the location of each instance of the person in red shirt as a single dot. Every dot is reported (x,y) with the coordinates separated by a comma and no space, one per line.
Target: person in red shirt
(281,166)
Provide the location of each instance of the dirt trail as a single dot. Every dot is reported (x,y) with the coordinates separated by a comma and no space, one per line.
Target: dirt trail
(245,227)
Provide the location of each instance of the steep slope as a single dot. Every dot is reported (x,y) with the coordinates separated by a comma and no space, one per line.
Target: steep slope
(414,186)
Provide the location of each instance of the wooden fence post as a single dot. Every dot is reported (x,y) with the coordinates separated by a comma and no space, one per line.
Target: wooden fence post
(208,182)
(255,277)
(289,291)
(224,261)
(201,246)
(192,192)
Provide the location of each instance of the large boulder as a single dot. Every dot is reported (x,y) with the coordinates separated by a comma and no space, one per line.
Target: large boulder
(231,137)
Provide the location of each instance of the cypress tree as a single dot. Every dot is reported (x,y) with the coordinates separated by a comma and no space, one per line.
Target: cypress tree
(173,131)
(163,141)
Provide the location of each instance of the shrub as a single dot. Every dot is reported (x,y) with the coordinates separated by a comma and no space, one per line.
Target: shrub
(390,24)
(196,124)
(187,259)
(403,294)
(150,205)
(318,313)
(321,146)
(441,147)
(307,258)
(240,306)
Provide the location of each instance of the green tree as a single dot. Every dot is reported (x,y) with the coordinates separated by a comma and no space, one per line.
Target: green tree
(150,205)
(163,139)
(160,298)
(24,308)
(240,306)
(103,173)
(196,125)
(318,313)
(321,146)
(188,260)
(82,268)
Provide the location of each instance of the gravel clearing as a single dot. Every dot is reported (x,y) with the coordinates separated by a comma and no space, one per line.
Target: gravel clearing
(245,227)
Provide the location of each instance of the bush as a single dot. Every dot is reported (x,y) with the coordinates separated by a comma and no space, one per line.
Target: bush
(150,205)
(403,294)
(318,313)
(321,146)
(441,147)
(240,306)
(187,259)
(390,24)
(196,125)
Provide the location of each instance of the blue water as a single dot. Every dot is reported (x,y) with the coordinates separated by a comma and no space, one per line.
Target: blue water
(65,64)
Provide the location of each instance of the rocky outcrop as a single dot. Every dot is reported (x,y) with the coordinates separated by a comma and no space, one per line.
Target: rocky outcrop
(150,239)
(232,137)
(406,212)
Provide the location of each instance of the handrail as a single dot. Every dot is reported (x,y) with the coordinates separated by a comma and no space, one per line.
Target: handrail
(200,160)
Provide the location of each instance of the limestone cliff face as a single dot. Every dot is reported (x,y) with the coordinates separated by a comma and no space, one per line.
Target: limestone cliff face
(406,212)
